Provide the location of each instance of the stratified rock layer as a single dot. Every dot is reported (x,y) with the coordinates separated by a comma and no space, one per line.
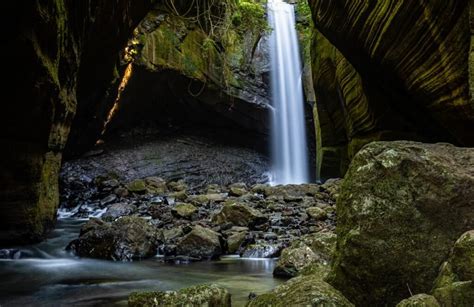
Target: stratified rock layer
(401,208)
(389,70)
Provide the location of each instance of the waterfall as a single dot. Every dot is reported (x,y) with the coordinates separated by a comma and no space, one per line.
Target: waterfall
(289,148)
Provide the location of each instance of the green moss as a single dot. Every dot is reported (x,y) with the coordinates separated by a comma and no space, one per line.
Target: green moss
(211,52)
(137,186)
(201,295)
(307,290)
(420,300)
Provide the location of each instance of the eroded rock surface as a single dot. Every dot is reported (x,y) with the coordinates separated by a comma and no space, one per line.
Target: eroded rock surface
(126,239)
(391,70)
(202,295)
(401,208)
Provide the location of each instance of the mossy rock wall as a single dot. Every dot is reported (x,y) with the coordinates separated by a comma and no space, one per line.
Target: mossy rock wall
(189,74)
(61,57)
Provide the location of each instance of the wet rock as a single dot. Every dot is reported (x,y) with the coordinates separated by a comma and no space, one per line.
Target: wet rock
(198,200)
(108,200)
(201,295)
(262,250)
(259,188)
(177,186)
(180,195)
(117,210)
(213,189)
(401,208)
(184,210)
(419,300)
(239,214)
(126,239)
(10,254)
(202,243)
(332,186)
(170,200)
(121,192)
(234,241)
(308,290)
(316,213)
(172,234)
(312,252)
(270,236)
(156,185)
(110,184)
(237,189)
(293,260)
(217,197)
(137,186)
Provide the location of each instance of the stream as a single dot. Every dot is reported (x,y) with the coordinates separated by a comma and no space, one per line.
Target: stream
(48,275)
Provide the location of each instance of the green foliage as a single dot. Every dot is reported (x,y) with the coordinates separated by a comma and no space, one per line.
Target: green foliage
(250,16)
(303,9)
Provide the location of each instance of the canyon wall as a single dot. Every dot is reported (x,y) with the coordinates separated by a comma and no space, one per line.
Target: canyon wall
(58,55)
(391,70)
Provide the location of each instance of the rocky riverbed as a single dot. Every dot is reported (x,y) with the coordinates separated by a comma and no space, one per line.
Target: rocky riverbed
(136,219)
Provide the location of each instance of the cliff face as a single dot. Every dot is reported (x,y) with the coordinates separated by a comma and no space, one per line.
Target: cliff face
(61,54)
(206,64)
(391,70)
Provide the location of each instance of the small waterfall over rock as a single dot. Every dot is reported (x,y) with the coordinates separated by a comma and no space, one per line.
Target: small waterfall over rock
(289,148)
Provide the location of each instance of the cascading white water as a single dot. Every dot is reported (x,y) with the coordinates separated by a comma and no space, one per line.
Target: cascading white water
(289,148)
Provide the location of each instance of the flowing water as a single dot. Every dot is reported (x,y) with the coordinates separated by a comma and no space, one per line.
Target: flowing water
(289,148)
(47,275)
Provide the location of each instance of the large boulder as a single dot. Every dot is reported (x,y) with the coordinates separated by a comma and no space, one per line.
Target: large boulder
(201,243)
(202,295)
(308,290)
(239,214)
(402,207)
(126,239)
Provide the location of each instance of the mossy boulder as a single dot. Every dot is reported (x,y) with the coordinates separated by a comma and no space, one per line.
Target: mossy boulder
(462,258)
(184,210)
(177,186)
(308,290)
(239,214)
(201,295)
(156,185)
(455,283)
(312,252)
(238,189)
(456,294)
(201,243)
(235,240)
(126,239)
(401,208)
(419,300)
(316,213)
(137,186)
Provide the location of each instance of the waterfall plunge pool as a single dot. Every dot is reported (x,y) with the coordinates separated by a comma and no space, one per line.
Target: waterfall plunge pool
(47,275)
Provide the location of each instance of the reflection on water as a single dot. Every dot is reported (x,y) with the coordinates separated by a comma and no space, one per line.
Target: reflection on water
(48,275)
